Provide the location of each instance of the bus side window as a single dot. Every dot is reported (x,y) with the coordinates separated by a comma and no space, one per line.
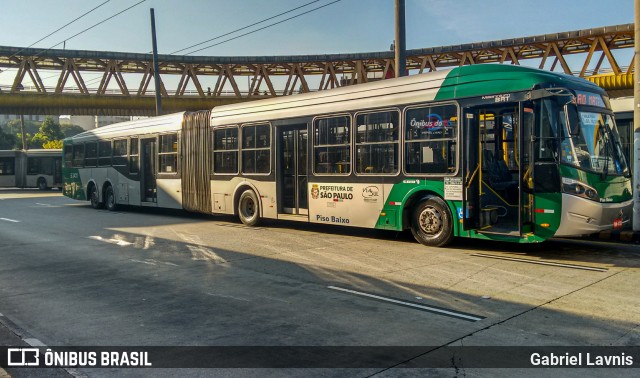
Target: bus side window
(33,165)
(68,156)
(377,142)
(91,154)
(7,166)
(133,155)
(104,153)
(431,135)
(332,145)
(225,150)
(120,152)
(168,153)
(256,149)
(78,156)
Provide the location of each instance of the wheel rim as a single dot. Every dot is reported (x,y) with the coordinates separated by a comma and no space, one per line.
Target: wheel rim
(110,199)
(94,197)
(430,221)
(248,208)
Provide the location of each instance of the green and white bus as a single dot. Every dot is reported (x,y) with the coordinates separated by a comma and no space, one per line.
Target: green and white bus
(486,151)
(37,168)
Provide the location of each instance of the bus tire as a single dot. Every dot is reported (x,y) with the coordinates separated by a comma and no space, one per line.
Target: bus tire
(249,208)
(42,184)
(431,222)
(94,198)
(110,199)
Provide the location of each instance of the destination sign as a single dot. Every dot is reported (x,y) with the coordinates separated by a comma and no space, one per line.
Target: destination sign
(589,99)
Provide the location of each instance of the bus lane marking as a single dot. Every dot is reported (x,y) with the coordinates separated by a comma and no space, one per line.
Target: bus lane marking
(121,243)
(142,262)
(228,296)
(431,309)
(34,342)
(548,263)
(10,220)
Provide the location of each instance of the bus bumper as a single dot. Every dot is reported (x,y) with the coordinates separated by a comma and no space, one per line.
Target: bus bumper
(581,216)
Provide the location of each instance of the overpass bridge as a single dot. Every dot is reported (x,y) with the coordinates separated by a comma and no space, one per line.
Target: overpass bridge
(83,82)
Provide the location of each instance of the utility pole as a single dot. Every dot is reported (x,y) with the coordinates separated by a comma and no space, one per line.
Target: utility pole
(24,137)
(156,70)
(636,119)
(401,46)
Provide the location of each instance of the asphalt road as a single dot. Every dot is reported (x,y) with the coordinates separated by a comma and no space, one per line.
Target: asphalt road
(74,276)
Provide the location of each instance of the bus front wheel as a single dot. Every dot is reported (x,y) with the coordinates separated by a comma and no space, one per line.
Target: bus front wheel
(110,199)
(248,208)
(431,222)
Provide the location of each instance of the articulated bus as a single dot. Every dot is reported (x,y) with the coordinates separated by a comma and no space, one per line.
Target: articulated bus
(486,151)
(31,168)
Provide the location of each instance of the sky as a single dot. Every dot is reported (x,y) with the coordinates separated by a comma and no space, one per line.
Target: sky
(346,26)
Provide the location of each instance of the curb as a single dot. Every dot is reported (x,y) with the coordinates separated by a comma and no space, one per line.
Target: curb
(625,236)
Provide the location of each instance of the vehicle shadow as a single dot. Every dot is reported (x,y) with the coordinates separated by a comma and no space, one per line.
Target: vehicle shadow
(565,250)
(163,291)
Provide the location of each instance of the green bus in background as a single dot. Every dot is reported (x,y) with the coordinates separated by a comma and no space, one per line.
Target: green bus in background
(485,151)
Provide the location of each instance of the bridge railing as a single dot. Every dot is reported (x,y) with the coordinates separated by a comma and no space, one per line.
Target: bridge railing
(203,79)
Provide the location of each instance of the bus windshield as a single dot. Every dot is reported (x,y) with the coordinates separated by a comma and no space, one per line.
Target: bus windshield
(596,147)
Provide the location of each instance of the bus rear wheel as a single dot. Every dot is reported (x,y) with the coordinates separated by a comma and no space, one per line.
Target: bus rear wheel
(42,184)
(431,222)
(248,208)
(110,199)
(94,197)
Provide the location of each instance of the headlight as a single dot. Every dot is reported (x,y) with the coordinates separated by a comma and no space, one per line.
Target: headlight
(579,189)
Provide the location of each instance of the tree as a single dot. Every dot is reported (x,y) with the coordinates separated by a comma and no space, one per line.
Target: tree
(7,141)
(29,139)
(29,126)
(52,144)
(49,132)
(31,142)
(71,130)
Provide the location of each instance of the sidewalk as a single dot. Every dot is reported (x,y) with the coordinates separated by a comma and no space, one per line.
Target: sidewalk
(12,336)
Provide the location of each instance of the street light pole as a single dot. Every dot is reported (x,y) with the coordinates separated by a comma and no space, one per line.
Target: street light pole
(636,119)
(400,44)
(156,70)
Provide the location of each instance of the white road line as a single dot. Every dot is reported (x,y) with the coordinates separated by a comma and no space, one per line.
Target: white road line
(143,262)
(409,304)
(160,262)
(228,296)
(34,342)
(10,220)
(121,243)
(549,263)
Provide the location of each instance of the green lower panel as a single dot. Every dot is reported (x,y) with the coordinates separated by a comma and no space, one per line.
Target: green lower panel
(72,184)
(387,220)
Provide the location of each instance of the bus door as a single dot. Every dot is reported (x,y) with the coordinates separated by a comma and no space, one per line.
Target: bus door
(471,171)
(57,171)
(292,157)
(148,159)
(492,195)
(541,174)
